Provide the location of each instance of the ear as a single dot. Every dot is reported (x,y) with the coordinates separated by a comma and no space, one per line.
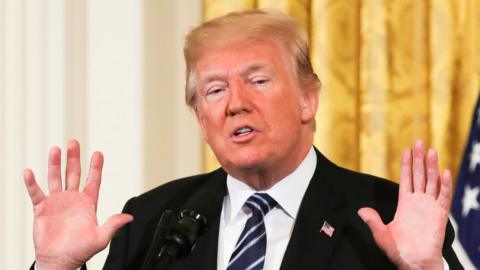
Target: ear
(309,105)
(201,122)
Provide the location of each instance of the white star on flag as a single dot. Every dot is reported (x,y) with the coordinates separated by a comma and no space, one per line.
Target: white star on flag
(474,156)
(327,229)
(469,200)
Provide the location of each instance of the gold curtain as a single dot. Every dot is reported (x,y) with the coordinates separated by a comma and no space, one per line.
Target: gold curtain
(392,71)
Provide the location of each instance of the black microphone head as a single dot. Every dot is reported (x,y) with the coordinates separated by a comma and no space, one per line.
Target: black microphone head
(200,219)
(206,203)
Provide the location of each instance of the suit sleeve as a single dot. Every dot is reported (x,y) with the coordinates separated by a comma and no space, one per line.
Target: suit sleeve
(448,253)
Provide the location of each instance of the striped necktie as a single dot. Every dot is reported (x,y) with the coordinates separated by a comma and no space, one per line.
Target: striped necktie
(249,252)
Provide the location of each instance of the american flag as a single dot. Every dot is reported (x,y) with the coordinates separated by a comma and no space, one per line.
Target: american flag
(327,229)
(465,205)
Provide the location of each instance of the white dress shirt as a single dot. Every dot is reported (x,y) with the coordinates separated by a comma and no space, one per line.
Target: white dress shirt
(278,222)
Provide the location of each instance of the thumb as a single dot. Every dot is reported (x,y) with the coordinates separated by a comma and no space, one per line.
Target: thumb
(110,227)
(374,222)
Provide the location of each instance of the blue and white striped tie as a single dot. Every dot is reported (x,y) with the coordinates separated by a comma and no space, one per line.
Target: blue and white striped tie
(249,252)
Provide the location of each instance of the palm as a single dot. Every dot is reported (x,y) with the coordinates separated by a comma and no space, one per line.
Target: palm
(66,233)
(428,233)
(57,226)
(414,239)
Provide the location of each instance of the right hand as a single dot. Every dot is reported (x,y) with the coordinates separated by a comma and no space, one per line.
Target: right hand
(66,233)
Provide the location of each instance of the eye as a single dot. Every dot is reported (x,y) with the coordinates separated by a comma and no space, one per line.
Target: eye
(215,92)
(259,80)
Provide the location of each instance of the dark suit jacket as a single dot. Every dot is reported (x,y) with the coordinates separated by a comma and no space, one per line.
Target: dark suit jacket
(334,195)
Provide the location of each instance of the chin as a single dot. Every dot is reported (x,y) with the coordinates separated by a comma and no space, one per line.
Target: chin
(246,165)
(244,161)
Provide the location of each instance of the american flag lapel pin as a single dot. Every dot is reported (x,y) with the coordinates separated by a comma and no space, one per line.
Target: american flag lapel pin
(327,229)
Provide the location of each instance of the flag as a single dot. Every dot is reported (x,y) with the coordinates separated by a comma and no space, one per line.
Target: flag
(327,229)
(466,202)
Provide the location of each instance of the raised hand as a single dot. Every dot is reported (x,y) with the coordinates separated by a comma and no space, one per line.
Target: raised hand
(414,239)
(66,233)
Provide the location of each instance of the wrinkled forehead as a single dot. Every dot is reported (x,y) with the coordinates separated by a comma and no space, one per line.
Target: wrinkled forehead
(241,57)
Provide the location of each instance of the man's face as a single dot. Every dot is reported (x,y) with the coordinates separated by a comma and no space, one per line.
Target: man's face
(250,108)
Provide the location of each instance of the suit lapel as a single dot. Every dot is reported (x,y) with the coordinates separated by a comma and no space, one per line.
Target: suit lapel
(323,202)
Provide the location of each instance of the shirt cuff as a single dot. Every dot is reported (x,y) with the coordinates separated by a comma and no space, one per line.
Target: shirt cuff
(35,267)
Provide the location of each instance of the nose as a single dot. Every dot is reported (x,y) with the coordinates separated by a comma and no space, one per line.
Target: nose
(239,100)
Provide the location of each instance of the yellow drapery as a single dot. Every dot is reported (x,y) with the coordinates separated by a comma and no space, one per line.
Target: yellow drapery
(391,71)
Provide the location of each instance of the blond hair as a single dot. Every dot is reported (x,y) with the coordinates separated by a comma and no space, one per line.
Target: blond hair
(247,25)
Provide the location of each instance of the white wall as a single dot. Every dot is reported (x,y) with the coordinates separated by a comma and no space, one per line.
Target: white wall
(109,73)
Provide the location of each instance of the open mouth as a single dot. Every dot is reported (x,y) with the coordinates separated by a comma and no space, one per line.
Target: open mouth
(242,131)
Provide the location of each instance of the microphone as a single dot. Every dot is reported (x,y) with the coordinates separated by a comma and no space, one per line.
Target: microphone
(182,236)
(174,237)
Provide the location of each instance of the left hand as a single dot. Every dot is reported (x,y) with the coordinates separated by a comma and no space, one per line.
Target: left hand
(414,239)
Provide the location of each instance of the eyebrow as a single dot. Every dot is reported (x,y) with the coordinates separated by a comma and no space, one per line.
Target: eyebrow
(212,77)
(217,76)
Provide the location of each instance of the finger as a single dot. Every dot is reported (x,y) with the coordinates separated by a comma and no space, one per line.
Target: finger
(432,173)
(54,167)
(445,194)
(406,173)
(94,177)
(110,227)
(374,222)
(34,191)
(72,172)
(418,167)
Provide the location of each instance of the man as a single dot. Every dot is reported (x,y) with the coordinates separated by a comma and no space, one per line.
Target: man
(276,203)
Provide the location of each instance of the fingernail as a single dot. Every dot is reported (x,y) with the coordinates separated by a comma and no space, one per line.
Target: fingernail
(54,151)
(419,143)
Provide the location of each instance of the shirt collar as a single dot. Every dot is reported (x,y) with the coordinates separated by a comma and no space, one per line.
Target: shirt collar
(288,192)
